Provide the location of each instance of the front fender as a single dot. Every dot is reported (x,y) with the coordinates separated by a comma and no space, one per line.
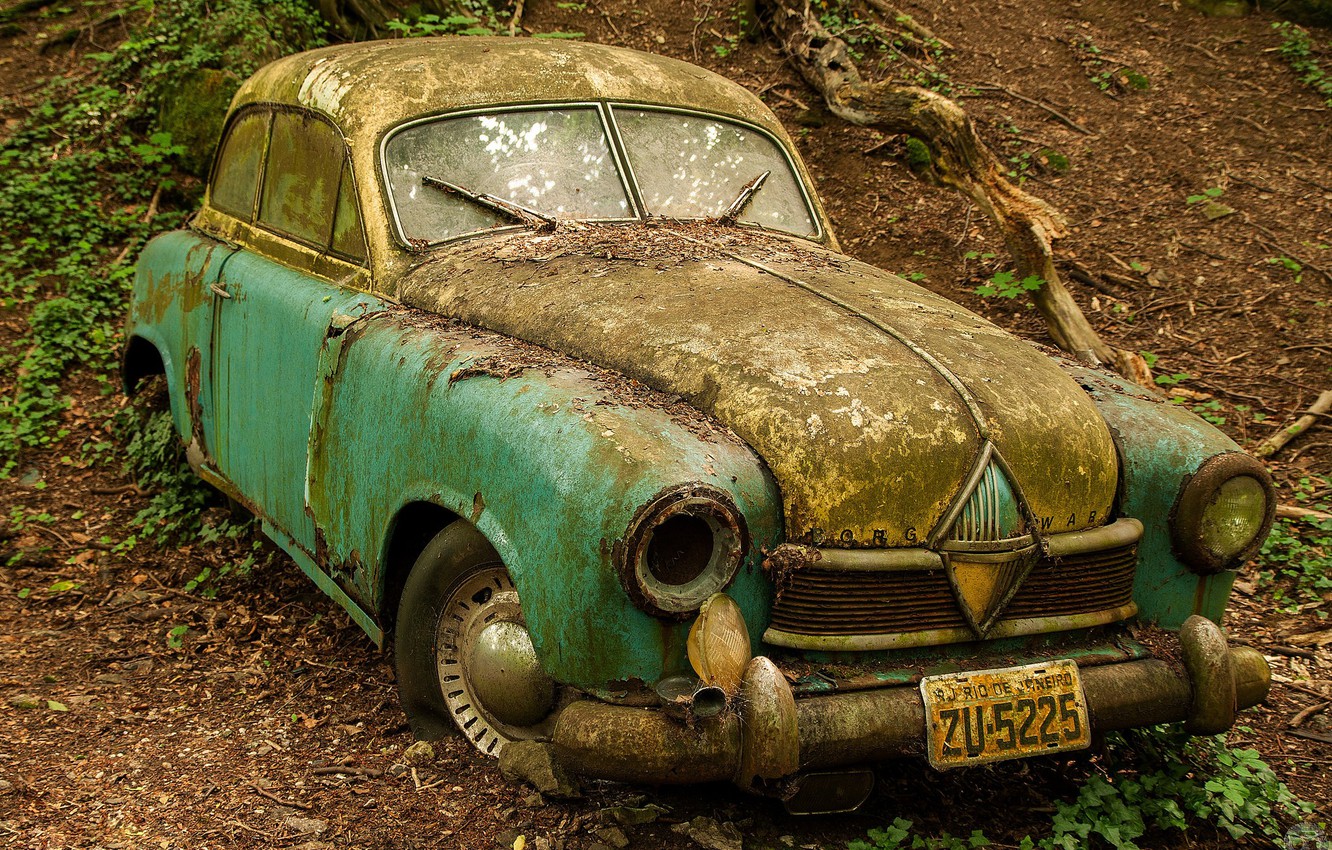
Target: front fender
(548,457)
(1160,445)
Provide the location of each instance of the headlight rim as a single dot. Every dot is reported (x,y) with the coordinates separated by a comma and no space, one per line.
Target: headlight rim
(1196,494)
(714,506)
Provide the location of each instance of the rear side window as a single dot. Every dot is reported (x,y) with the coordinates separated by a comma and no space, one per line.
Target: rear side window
(348,236)
(288,171)
(236,178)
(305,158)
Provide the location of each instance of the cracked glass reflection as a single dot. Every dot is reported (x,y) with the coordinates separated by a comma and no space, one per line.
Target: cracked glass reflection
(556,161)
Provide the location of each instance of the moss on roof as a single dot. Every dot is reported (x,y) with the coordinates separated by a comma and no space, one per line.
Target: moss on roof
(370,87)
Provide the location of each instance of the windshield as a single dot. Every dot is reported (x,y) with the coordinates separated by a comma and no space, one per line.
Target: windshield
(554,161)
(454,176)
(691,166)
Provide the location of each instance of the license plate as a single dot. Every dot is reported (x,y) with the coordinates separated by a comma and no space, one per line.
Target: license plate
(992,715)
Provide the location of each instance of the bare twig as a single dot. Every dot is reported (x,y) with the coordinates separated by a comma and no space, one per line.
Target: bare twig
(698,23)
(350,770)
(1276,245)
(517,19)
(1307,447)
(797,102)
(911,25)
(1324,344)
(57,535)
(119,491)
(1304,689)
(1063,119)
(70,35)
(269,795)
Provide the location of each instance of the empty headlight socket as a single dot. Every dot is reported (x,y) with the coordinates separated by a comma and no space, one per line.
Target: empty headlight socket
(683,545)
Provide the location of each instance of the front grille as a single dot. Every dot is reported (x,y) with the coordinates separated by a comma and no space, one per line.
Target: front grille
(815,601)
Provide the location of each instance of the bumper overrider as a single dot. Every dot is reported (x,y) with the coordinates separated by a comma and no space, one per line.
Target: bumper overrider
(769,735)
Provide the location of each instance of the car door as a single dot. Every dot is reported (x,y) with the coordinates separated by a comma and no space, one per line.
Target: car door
(275,302)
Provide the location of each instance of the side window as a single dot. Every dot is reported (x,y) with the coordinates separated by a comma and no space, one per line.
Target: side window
(348,236)
(236,178)
(305,163)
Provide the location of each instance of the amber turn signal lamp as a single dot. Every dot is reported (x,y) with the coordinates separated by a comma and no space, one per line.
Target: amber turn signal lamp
(719,643)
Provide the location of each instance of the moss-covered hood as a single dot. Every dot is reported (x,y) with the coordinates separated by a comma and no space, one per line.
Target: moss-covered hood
(869,397)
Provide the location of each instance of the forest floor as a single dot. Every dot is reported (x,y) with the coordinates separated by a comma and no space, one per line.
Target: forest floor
(270,720)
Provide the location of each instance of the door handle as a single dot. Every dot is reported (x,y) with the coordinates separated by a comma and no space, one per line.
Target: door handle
(219,291)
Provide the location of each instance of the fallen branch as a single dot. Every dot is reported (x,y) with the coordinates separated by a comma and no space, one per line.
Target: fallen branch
(1277,441)
(1275,245)
(1305,714)
(1296,512)
(960,160)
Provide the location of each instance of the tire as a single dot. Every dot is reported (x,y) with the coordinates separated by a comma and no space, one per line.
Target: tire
(464,658)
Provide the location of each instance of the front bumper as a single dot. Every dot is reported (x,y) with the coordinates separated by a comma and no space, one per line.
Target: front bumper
(772,735)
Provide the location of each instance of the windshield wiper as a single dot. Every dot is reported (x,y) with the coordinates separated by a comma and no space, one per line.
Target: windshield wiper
(732,213)
(509,209)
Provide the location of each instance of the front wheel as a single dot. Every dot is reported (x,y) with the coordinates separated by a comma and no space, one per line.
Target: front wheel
(464,657)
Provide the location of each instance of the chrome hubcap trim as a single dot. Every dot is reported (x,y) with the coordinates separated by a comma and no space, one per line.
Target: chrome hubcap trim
(492,684)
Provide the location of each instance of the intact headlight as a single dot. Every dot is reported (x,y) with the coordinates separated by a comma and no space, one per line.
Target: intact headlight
(1223,513)
(682,546)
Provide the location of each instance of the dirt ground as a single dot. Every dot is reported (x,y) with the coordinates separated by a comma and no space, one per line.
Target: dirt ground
(272,721)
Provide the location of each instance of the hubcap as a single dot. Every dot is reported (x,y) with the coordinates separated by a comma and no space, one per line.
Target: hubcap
(492,683)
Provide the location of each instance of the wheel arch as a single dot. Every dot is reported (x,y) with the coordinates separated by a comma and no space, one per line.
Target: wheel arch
(141,358)
(409,532)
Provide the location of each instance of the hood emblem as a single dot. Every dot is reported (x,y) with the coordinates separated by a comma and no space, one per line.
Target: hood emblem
(984,588)
(986,542)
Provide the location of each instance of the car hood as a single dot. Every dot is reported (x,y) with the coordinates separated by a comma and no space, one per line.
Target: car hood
(870,398)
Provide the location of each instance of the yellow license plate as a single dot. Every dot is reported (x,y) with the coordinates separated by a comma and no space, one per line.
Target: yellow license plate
(992,715)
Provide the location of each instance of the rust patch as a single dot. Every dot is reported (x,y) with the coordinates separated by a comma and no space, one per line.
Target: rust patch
(321,541)
(495,367)
(478,505)
(192,390)
(781,563)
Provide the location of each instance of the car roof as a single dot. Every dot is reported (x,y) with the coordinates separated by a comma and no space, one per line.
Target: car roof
(370,87)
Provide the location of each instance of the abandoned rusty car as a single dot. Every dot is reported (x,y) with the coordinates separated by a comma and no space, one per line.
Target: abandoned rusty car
(542,358)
